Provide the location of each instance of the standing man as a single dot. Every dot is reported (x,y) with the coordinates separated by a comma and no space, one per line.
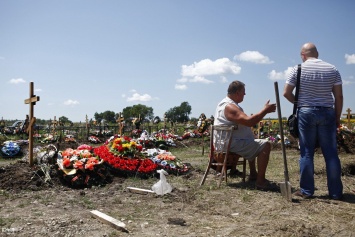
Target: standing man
(229,112)
(320,103)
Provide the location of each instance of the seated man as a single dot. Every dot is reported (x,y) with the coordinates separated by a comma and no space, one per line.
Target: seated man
(228,112)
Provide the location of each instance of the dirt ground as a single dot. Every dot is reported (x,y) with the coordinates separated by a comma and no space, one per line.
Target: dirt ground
(31,207)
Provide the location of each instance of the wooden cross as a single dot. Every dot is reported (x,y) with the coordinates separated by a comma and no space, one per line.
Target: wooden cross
(31,101)
(348,116)
(31,124)
(54,124)
(2,122)
(120,123)
(165,121)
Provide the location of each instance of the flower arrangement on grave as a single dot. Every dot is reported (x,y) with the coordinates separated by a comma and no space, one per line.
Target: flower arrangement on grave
(43,154)
(49,139)
(136,133)
(124,156)
(69,139)
(94,139)
(164,137)
(81,167)
(167,161)
(10,149)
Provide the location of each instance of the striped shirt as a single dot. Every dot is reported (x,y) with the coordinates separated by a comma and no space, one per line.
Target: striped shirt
(316,84)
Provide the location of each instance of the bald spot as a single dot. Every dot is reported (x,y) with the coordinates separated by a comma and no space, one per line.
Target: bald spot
(310,50)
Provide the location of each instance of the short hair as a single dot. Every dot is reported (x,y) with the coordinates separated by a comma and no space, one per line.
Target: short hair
(235,86)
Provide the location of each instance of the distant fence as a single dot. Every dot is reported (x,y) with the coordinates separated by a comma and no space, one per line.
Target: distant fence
(82,133)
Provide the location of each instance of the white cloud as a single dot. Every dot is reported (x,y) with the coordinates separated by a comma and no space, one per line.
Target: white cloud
(223,79)
(142,98)
(71,102)
(350,59)
(17,81)
(207,67)
(198,71)
(200,79)
(38,90)
(273,75)
(182,80)
(254,57)
(180,87)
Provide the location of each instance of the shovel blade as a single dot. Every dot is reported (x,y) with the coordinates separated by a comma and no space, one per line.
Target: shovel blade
(286,190)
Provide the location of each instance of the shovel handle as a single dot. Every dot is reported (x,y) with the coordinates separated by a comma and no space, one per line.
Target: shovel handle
(281,130)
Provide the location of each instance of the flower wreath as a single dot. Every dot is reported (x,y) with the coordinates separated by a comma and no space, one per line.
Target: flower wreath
(124,157)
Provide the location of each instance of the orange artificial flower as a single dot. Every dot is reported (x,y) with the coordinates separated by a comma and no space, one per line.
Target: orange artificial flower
(89,166)
(78,165)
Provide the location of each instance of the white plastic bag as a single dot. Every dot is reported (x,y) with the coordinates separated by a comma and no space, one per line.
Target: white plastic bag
(162,186)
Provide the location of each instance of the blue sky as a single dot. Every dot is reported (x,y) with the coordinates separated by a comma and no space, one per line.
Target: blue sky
(87,56)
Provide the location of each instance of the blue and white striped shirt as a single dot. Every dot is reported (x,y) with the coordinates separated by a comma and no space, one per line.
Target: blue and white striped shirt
(316,84)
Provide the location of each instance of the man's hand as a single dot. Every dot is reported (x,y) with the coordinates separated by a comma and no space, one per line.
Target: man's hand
(269,108)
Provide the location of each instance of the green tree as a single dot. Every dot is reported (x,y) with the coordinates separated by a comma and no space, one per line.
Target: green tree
(98,117)
(109,116)
(64,121)
(179,113)
(135,111)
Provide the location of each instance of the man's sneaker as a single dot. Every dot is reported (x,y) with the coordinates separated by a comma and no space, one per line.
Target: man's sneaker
(298,193)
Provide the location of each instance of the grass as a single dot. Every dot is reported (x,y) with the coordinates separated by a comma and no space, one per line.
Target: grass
(6,222)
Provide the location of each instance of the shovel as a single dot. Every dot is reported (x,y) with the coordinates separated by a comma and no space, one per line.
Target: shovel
(284,186)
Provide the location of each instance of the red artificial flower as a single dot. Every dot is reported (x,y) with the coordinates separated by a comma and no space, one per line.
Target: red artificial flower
(66,162)
(120,148)
(139,147)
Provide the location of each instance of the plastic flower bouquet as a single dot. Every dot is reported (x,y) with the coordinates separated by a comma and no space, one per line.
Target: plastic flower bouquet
(81,168)
(94,139)
(167,161)
(125,147)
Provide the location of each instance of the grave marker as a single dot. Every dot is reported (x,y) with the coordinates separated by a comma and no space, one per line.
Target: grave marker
(120,123)
(348,116)
(31,101)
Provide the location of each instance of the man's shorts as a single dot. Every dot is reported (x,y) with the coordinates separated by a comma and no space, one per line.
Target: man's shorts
(249,149)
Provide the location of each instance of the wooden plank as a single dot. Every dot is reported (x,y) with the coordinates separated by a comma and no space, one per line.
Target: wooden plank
(140,190)
(109,220)
(33,99)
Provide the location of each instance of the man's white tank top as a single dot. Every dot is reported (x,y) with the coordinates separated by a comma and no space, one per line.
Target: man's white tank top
(243,132)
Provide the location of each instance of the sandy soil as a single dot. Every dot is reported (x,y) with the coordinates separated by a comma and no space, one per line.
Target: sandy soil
(31,207)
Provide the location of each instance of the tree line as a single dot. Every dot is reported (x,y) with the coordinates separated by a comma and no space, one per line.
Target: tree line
(140,113)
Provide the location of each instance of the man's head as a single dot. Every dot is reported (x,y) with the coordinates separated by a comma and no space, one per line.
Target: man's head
(236,91)
(309,50)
